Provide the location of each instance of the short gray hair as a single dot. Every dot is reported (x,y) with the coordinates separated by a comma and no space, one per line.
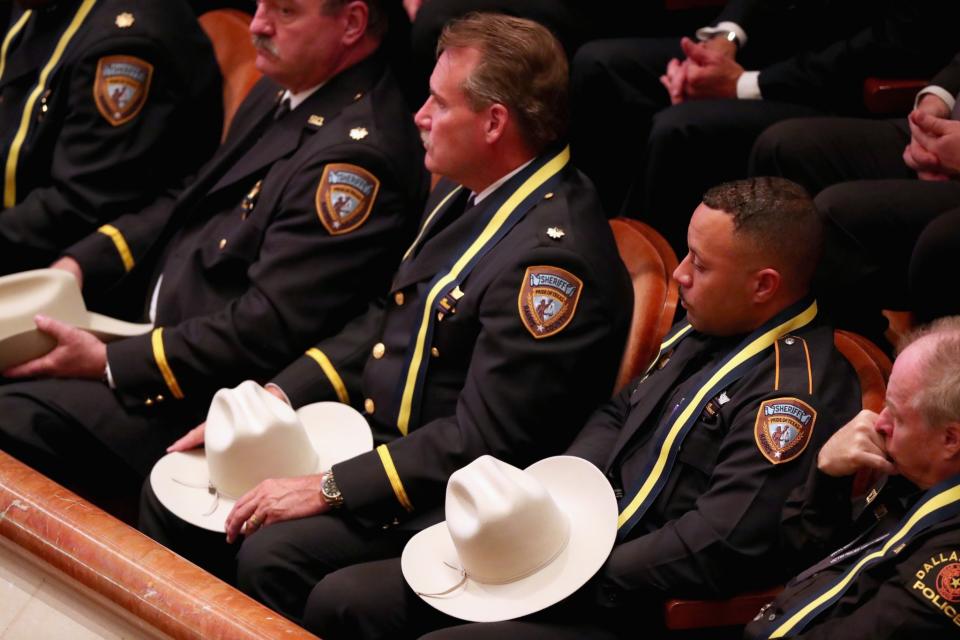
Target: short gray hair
(939,397)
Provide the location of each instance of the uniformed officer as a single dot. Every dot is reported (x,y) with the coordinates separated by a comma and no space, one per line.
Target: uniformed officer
(283,237)
(898,575)
(104,105)
(702,451)
(502,329)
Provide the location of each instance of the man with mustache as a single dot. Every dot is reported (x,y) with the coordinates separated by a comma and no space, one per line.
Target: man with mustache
(103,106)
(897,573)
(456,361)
(248,266)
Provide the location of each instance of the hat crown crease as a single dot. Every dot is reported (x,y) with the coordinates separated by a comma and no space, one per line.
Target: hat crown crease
(504,524)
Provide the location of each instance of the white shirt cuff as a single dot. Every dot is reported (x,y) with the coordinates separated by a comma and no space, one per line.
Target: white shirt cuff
(705,33)
(940,92)
(748,86)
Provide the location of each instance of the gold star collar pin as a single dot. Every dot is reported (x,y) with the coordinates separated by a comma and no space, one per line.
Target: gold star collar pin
(124,20)
(556,233)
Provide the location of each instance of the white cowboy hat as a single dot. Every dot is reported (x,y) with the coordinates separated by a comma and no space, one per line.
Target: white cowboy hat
(252,435)
(514,542)
(54,293)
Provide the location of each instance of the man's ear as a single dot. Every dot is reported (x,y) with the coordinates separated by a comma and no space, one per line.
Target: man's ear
(497,119)
(766,283)
(355,16)
(950,439)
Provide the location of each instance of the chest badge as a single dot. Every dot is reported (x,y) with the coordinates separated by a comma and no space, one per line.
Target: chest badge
(783,428)
(548,300)
(121,87)
(345,197)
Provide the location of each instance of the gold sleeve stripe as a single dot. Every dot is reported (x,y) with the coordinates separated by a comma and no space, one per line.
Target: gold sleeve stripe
(394,477)
(161,357)
(120,243)
(776,366)
(335,380)
(10,173)
(14,30)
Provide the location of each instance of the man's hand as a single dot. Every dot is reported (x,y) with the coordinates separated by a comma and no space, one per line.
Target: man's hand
(191,440)
(71,266)
(917,155)
(710,73)
(674,80)
(276,500)
(78,354)
(941,138)
(856,445)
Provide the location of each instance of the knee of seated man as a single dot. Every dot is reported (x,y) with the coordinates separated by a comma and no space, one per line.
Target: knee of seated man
(778,146)
(338,603)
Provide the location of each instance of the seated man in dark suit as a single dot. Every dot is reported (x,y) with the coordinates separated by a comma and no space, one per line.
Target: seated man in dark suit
(247,267)
(103,107)
(890,191)
(502,329)
(696,129)
(898,575)
(702,451)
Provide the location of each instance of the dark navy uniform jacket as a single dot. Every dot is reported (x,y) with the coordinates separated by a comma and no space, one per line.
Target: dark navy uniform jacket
(712,530)
(130,107)
(493,385)
(913,594)
(254,267)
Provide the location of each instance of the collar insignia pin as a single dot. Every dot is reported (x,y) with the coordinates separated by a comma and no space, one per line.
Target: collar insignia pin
(556,233)
(358,133)
(124,20)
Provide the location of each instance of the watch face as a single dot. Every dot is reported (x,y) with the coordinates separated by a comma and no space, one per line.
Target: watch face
(329,487)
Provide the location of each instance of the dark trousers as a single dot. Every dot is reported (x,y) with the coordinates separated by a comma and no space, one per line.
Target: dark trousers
(889,236)
(77,433)
(372,601)
(279,564)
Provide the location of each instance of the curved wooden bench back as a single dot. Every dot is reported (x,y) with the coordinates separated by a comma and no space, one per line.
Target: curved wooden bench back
(229,32)
(165,591)
(650,296)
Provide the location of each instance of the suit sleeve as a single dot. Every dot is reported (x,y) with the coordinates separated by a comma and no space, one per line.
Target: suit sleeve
(598,437)
(949,77)
(734,522)
(907,40)
(302,282)
(332,370)
(99,170)
(523,398)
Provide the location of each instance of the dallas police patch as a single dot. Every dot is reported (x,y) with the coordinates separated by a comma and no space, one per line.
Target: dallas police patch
(548,299)
(783,428)
(121,87)
(345,197)
(948,582)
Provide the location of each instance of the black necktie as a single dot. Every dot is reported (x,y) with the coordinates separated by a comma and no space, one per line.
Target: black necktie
(282,109)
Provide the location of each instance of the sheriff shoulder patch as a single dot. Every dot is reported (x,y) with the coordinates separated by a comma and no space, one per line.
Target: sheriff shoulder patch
(121,87)
(345,197)
(548,300)
(783,428)
(938,582)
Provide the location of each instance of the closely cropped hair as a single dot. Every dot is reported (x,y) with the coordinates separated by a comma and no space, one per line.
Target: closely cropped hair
(376,18)
(778,216)
(939,397)
(522,66)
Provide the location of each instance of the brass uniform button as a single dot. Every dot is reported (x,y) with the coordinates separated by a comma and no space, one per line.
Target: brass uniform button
(223,242)
(148,402)
(159,397)
(435,352)
(368,405)
(398,298)
(379,350)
